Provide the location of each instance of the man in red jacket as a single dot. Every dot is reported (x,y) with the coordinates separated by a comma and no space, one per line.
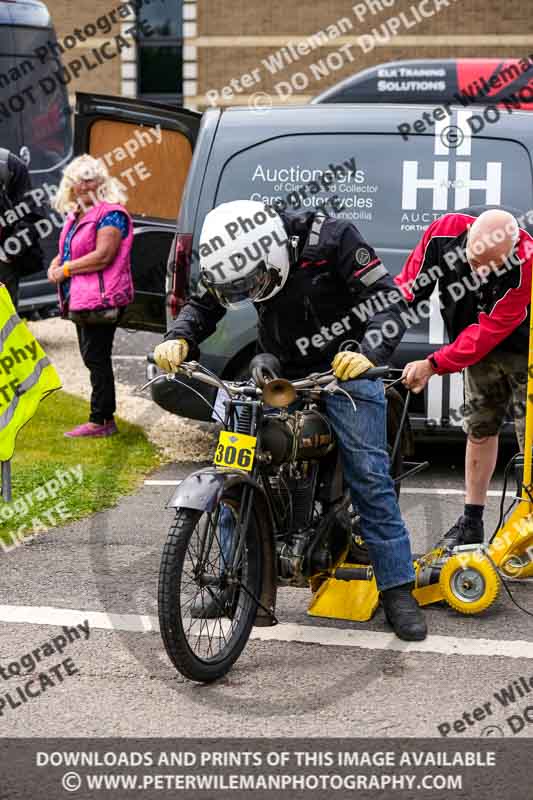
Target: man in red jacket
(482,266)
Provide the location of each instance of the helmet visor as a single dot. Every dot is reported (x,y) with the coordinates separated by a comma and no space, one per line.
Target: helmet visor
(239,291)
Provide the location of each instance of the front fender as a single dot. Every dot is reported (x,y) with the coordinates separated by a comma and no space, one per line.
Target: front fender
(202,490)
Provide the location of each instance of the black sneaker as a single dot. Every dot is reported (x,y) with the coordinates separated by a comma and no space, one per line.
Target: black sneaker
(403,613)
(465,531)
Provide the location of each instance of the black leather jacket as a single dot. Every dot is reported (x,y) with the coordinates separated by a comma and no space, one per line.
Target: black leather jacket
(19,214)
(337,290)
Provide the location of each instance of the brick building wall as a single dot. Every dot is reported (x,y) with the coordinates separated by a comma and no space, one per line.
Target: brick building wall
(225,41)
(116,76)
(228,45)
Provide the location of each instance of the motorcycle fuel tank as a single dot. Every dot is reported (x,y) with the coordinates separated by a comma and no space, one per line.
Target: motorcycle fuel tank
(300,436)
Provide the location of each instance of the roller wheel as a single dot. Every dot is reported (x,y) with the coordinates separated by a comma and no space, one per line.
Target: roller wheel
(469,582)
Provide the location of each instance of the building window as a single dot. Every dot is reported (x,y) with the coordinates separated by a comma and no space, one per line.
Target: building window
(160,55)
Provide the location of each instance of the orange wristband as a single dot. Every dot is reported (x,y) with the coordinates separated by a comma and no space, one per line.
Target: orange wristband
(66,269)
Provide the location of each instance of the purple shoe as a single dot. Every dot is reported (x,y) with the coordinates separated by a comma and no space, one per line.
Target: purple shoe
(91,429)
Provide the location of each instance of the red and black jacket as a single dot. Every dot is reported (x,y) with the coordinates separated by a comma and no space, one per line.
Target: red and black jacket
(494,314)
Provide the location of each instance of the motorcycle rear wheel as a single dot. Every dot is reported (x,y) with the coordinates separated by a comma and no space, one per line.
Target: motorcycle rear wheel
(204,649)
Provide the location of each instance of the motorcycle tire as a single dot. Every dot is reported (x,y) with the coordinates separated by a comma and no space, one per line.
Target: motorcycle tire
(173,624)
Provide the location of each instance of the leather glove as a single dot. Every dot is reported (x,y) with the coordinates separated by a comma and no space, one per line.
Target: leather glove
(348,365)
(170,354)
(264,367)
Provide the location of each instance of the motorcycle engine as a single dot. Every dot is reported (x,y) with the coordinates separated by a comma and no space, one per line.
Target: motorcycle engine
(304,550)
(300,555)
(300,436)
(295,442)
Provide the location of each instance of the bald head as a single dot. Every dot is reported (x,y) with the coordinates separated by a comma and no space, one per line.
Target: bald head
(491,240)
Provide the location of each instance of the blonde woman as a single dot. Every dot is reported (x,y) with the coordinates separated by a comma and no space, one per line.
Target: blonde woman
(93,275)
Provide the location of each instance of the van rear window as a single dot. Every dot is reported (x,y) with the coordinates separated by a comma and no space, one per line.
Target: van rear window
(390,188)
(161,195)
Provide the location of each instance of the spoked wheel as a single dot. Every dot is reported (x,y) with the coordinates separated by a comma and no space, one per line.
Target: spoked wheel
(469,582)
(207,595)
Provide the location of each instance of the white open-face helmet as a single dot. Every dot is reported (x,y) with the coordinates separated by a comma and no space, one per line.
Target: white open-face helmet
(244,253)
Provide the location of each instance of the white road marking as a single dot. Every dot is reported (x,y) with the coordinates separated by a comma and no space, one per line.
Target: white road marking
(421,490)
(376,640)
(162,483)
(284,632)
(46,615)
(491,492)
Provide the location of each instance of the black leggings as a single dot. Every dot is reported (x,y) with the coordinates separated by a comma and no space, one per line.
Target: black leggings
(96,345)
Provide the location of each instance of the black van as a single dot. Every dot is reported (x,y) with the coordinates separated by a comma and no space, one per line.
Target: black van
(460,81)
(395,189)
(34,124)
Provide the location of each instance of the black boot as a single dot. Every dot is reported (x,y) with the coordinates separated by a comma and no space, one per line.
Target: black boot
(465,531)
(358,552)
(403,613)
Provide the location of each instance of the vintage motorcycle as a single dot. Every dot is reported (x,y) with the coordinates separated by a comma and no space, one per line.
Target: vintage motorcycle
(272,510)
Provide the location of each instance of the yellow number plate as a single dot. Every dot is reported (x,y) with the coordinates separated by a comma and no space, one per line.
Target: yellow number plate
(235,450)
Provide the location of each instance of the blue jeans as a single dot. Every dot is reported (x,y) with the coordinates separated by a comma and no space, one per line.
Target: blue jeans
(362,437)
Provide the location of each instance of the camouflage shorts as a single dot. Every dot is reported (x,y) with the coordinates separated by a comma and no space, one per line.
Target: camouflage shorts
(494,387)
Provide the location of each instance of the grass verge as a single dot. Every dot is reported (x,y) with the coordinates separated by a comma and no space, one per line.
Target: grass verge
(57,480)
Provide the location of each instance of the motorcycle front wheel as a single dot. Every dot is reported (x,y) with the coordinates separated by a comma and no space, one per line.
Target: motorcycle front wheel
(207,605)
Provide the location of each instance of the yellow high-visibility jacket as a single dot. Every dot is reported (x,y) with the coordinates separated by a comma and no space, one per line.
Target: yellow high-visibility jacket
(26,375)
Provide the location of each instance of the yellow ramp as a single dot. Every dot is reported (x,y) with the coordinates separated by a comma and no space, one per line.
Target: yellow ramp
(354,600)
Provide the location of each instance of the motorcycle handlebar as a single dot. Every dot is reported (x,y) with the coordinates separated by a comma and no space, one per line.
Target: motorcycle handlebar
(322,380)
(376,372)
(190,368)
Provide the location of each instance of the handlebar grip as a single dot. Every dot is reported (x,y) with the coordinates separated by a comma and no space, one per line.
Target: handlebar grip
(375,372)
(151,360)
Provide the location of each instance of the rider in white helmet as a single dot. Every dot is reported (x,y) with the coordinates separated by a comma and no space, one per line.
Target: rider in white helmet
(312,279)
(250,257)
